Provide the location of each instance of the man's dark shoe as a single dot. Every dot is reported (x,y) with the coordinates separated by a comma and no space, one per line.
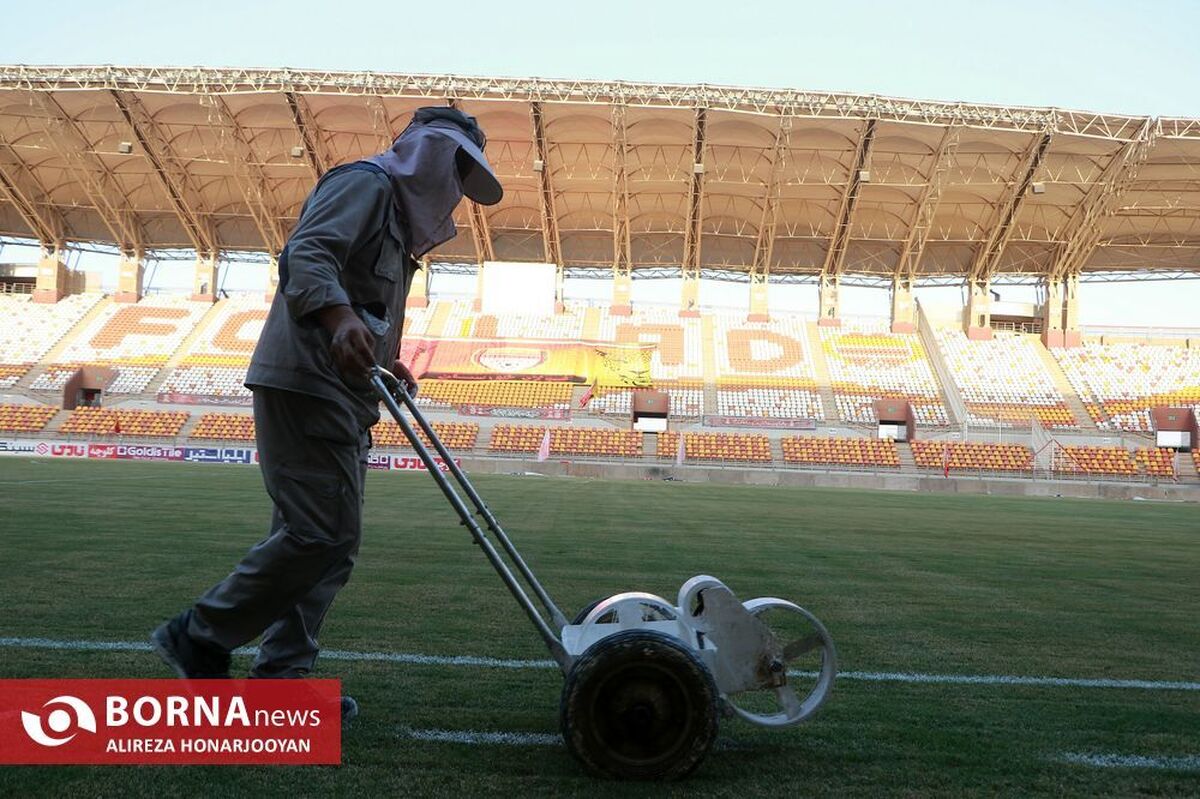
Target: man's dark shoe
(189,659)
(349,710)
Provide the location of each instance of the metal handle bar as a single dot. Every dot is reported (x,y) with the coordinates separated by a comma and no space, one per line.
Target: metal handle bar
(390,388)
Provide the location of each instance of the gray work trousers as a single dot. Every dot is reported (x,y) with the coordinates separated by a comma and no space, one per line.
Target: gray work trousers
(313,456)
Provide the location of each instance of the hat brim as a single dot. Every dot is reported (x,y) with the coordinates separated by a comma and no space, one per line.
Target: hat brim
(479,183)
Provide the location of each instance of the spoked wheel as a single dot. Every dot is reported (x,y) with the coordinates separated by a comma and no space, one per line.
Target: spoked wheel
(585,610)
(639,705)
(809,663)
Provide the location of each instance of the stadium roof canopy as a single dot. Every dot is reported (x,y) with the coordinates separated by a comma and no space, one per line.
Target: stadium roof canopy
(610,174)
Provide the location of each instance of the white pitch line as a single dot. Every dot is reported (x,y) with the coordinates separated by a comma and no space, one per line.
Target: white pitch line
(415,659)
(1162,763)
(474,738)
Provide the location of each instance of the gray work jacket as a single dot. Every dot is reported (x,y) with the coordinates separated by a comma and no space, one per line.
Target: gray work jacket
(348,248)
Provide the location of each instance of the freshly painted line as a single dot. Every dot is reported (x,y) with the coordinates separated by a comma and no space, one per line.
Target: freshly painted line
(1163,763)
(1010,679)
(473,738)
(414,659)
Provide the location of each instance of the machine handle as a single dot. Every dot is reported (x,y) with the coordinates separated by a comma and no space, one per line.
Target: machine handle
(390,388)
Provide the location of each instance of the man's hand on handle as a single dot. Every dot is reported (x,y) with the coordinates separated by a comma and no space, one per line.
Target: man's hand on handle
(406,377)
(353,346)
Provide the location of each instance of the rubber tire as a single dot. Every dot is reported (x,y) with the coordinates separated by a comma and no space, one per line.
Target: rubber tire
(593,673)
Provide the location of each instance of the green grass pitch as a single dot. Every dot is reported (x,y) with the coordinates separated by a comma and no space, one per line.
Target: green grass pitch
(905,582)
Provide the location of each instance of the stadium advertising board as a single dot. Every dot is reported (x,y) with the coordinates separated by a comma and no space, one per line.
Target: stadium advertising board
(17,447)
(27,448)
(505,412)
(203,399)
(148,452)
(220,455)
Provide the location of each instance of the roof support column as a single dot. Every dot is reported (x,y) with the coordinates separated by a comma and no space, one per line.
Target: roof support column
(622,296)
(622,293)
(272,277)
(689,298)
(759,306)
(129,277)
(1071,334)
(979,309)
(827,297)
(51,283)
(904,316)
(204,279)
(418,290)
(1052,312)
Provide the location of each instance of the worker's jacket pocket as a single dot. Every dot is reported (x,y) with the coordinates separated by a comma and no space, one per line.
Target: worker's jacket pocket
(313,503)
(390,263)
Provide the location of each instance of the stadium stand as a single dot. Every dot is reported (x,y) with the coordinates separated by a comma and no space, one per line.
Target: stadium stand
(40,327)
(687,399)
(730,447)
(1155,461)
(1120,383)
(867,362)
(135,340)
(215,364)
(586,441)
(750,351)
(774,401)
(565,326)
(457,436)
(678,352)
(224,427)
(496,393)
(1093,460)
(972,455)
(1003,381)
(25,418)
(104,422)
(869,452)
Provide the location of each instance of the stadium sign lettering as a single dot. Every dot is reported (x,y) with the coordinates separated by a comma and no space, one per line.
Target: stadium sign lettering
(218,455)
(61,450)
(150,452)
(102,451)
(10,447)
(377,460)
(264,722)
(409,463)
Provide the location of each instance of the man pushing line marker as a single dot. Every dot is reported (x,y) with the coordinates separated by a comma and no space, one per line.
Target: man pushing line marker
(344,276)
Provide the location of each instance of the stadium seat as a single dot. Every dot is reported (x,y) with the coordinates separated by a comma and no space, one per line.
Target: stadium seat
(1003,381)
(1120,383)
(224,427)
(25,418)
(1096,461)
(790,399)
(496,393)
(972,456)
(865,452)
(457,436)
(134,340)
(105,422)
(686,397)
(867,362)
(576,441)
(41,327)
(716,447)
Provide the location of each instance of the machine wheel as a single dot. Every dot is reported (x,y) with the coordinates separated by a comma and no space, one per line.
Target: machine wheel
(585,610)
(639,705)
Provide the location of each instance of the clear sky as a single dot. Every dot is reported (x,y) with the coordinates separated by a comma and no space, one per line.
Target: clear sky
(1122,57)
